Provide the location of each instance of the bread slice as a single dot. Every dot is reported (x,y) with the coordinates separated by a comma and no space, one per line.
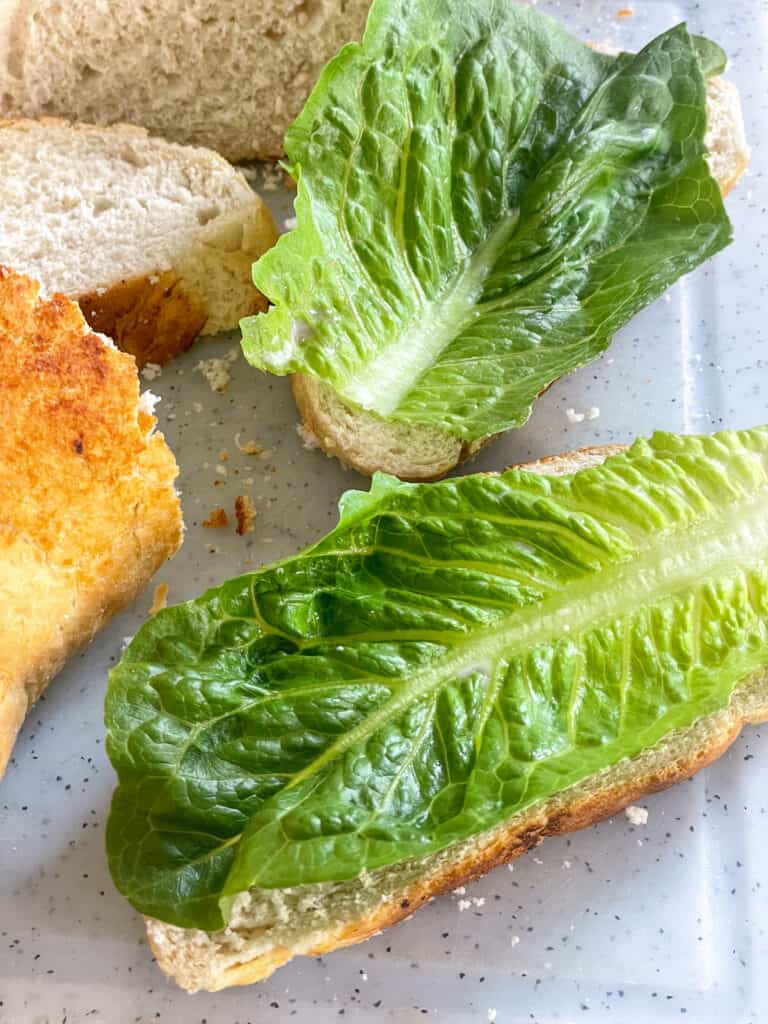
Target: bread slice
(228,75)
(154,240)
(269,927)
(364,441)
(88,509)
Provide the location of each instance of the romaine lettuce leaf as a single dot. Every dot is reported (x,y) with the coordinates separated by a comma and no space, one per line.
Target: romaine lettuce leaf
(449,654)
(483,201)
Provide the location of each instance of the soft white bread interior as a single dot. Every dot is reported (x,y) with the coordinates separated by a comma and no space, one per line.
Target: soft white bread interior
(154,240)
(227,74)
(88,509)
(269,927)
(365,442)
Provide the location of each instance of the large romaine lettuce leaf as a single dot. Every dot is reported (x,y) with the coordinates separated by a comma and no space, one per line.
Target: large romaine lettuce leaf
(483,201)
(449,654)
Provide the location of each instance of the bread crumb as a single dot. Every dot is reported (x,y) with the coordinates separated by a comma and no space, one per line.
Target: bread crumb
(290,223)
(491,1016)
(217,519)
(308,439)
(271,177)
(462,888)
(245,512)
(216,371)
(159,598)
(221,470)
(252,448)
(219,483)
(625,12)
(224,455)
(636,815)
(515,940)
(126,641)
(147,402)
(197,407)
(591,413)
(464,904)
(151,371)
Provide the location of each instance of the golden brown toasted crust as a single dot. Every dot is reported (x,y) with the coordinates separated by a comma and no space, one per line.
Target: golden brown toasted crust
(153,318)
(88,510)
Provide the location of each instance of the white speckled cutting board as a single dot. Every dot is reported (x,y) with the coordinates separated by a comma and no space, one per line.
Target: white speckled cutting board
(626,924)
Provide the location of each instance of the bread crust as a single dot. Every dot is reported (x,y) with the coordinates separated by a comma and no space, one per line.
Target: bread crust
(88,510)
(323,428)
(157,315)
(577,808)
(153,318)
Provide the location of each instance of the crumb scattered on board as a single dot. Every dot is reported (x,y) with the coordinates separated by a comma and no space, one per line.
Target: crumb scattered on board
(216,371)
(253,448)
(624,12)
(636,815)
(591,413)
(159,598)
(217,519)
(245,513)
(308,439)
(151,371)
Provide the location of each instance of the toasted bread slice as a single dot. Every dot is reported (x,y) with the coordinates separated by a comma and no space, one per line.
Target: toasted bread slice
(155,241)
(366,442)
(269,927)
(88,509)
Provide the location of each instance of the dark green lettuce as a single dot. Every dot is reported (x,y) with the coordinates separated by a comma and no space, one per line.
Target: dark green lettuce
(483,200)
(449,654)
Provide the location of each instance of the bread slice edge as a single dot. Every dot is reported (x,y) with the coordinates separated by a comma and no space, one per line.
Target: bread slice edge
(199,960)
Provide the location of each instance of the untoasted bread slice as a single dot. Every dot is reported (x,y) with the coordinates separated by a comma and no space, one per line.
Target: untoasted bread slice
(227,75)
(154,240)
(269,927)
(366,442)
(88,509)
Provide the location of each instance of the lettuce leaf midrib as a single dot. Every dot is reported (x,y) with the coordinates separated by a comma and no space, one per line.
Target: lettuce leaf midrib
(537,625)
(540,623)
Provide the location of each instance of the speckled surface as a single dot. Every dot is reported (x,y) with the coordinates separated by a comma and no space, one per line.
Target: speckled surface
(659,922)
